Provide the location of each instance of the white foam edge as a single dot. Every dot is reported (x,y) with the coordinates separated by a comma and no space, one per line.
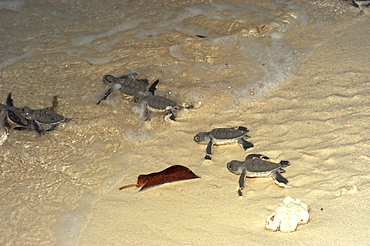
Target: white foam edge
(15,5)
(124,26)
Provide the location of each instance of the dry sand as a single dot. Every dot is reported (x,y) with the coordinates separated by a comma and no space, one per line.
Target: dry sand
(318,120)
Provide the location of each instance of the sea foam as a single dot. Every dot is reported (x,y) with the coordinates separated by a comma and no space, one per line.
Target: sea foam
(15,5)
(254,56)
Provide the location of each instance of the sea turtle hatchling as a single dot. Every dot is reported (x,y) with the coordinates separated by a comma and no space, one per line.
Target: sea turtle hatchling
(126,84)
(13,116)
(221,136)
(257,166)
(154,103)
(44,120)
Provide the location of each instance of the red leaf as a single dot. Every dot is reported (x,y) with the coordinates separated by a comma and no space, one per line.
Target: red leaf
(171,174)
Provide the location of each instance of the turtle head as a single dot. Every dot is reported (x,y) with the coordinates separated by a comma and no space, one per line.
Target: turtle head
(200,137)
(109,79)
(132,75)
(26,112)
(235,167)
(112,81)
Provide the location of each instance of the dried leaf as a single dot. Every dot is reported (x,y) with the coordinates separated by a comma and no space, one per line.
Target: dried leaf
(171,174)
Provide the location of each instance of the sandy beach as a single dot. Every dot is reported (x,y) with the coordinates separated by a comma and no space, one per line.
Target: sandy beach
(321,127)
(63,188)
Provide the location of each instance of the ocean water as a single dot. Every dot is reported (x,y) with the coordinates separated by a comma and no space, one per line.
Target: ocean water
(201,51)
(243,48)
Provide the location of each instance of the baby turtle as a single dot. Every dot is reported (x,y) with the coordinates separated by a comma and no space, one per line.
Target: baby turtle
(220,136)
(44,120)
(13,115)
(126,84)
(256,165)
(154,103)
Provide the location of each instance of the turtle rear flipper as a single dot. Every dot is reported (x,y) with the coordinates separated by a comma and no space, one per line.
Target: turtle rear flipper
(66,120)
(245,144)
(278,179)
(241,182)
(284,163)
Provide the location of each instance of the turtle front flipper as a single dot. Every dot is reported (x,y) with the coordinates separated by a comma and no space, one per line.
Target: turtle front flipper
(55,104)
(245,144)
(9,100)
(106,94)
(278,179)
(241,182)
(153,87)
(209,150)
(284,163)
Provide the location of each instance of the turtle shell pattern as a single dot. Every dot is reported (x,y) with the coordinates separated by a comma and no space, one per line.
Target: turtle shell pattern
(45,116)
(159,103)
(259,167)
(45,120)
(129,85)
(227,133)
(14,115)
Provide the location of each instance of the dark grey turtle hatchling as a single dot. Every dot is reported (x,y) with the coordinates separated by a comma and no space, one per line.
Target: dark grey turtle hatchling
(154,103)
(126,84)
(44,120)
(221,136)
(257,166)
(13,116)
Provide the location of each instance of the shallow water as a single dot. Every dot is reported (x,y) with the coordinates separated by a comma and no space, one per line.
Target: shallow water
(243,50)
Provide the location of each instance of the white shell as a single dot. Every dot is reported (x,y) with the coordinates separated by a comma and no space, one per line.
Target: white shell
(288,215)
